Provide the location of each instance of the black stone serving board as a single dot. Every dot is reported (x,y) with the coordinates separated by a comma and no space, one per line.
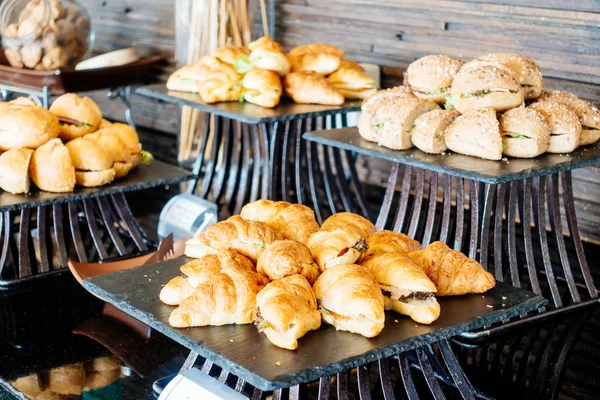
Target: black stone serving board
(155,174)
(488,171)
(241,350)
(246,112)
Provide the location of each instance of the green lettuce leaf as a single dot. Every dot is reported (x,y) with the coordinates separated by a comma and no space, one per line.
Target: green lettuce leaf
(242,64)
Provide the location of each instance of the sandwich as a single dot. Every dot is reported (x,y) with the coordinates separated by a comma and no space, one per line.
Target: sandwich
(116,148)
(265,54)
(78,116)
(286,258)
(589,116)
(430,77)
(130,138)
(525,133)
(524,70)
(351,64)
(26,126)
(311,89)
(262,87)
(267,43)
(14,170)
(316,48)
(222,83)
(565,128)
(428,132)
(51,168)
(353,83)
(228,54)
(319,63)
(369,107)
(287,310)
(93,165)
(189,78)
(350,299)
(475,133)
(484,87)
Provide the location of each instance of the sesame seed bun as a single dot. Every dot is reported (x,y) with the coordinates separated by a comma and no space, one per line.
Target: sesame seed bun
(525,133)
(26,126)
(475,133)
(79,116)
(370,105)
(14,170)
(433,73)
(428,133)
(51,168)
(565,128)
(524,70)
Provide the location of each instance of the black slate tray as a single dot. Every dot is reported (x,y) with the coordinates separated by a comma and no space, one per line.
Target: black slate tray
(244,352)
(155,174)
(478,169)
(248,113)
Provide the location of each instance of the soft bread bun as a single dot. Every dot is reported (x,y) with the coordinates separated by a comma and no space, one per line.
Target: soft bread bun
(369,107)
(189,78)
(110,59)
(26,126)
(135,160)
(267,43)
(524,69)
(475,133)
(122,169)
(78,116)
(14,170)
(588,115)
(311,89)
(428,133)
(88,156)
(68,379)
(266,58)
(565,128)
(51,168)
(353,83)
(112,144)
(321,64)
(94,178)
(316,48)
(229,54)
(104,124)
(262,87)
(128,135)
(24,101)
(525,133)
(485,87)
(430,77)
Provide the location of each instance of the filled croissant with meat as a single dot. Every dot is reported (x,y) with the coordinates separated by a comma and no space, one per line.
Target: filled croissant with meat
(287,257)
(287,310)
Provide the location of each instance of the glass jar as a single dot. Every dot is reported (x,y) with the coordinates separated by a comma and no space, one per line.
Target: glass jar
(45,34)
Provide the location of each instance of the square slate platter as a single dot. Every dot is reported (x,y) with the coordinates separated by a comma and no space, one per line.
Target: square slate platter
(468,167)
(246,112)
(241,350)
(155,174)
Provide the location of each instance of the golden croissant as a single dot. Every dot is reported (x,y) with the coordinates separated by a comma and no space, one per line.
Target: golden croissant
(262,87)
(350,299)
(317,48)
(287,309)
(451,271)
(340,239)
(266,43)
(287,257)
(390,242)
(221,84)
(294,221)
(248,238)
(228,54)
(321,64)
(353,83)
(310,88)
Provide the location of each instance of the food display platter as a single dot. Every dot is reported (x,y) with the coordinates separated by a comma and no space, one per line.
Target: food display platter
(155,174)
(246,112)
(243,351)
(488,171)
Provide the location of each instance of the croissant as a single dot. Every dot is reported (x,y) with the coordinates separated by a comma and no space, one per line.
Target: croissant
(248,238)
(311,89)
(266,43)
(350,299)
(340,239)
(294,221)
(188,78)
(176,290)
(353,83)
(221,84)
(317,48)
(229,54)
(451,271)
(406,288)
(262,87)
(264,58)
(390,242)
(346,64)
(287,257)
(287,309)
(321,64)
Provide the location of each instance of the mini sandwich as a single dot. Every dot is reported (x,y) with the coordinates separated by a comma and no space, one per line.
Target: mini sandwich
(320,64)
(189,78)
(430,77)
(262,87)
(351,64)
(267,43)
(392,122)
(311,89)
(523,69)
(428,132)
(229,54)
(78,116)
(14,170)
(316,48)
(589,116)
(51,168)
(265,54)
(565,128)
(353,83)
(484,87)
(93,165)
(222,84)
(130,138)
(475,133)
(525,133)
(26,126)
(116,148)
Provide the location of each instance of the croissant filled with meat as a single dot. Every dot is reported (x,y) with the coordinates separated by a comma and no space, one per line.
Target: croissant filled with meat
(288,257)
(249,238)
(451,271)
(287,309)
(340,239)
(294,221)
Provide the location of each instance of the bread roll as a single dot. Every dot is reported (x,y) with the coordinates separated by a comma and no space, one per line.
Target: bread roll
(51,168)
(26,126)
(14,170)
(111,144)
(86,155)
(94,178)
(78,116)
(475,133)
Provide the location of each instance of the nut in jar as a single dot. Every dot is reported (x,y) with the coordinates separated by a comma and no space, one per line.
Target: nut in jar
(45,34)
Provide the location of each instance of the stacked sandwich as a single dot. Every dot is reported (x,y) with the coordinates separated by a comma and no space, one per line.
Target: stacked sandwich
(274,266)
(69,144)
(493,106)
(262,72)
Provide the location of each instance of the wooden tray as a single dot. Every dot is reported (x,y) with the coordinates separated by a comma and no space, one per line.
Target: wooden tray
(241,350)
(245,112)
(469,167)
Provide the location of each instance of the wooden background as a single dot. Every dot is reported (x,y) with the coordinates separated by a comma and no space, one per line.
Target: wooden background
(563,36)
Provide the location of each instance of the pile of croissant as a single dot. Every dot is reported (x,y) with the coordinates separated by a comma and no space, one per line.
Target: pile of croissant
(314,74)
(274,266)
